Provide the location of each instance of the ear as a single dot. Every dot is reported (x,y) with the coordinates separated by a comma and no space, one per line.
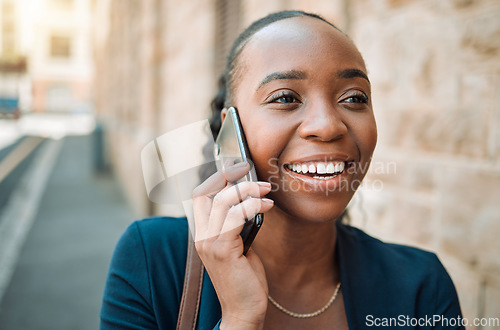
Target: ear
(223,115)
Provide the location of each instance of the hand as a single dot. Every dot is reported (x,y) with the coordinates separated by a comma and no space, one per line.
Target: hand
(220,209)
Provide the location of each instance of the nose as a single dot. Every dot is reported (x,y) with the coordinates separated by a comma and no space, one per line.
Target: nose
(322,121)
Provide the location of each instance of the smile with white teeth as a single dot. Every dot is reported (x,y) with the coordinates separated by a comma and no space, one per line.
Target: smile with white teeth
(323,168)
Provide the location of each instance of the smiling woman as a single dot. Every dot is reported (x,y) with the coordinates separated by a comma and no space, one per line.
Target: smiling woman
(302,84)
(304,99)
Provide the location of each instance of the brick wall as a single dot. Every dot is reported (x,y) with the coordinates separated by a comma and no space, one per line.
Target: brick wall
(435,183)
(125,87)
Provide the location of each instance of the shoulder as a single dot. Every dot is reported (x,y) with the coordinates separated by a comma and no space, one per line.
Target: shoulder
(377,271)
(402,257)
(154,225)
(163,241)
(153,239)
(159,234)
(158,230)
(146,276)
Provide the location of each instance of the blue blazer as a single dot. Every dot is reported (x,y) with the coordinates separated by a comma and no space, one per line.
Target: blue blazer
(383,284)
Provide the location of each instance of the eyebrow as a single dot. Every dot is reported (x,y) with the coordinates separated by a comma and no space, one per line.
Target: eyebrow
(291,74)
(352,73)
(298,75)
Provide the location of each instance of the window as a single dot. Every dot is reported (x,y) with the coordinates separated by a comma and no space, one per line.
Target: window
(62,4)
(7,8)
(60,46)
(8,29)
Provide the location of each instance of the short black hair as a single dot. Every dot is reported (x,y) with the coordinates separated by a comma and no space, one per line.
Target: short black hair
(223,97)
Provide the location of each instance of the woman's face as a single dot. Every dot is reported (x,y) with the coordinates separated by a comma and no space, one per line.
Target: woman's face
(304,101)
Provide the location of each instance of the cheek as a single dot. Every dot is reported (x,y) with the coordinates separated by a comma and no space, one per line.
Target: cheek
(369,137)
(266,142)
(366,140)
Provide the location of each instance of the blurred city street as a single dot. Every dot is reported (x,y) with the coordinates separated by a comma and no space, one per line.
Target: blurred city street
(59,222)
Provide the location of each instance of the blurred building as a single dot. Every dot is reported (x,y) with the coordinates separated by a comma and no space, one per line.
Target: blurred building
(61,64)
(49,41)
(14,83)
(435,73)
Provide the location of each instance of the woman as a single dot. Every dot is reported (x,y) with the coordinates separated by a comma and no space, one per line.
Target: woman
(303,96)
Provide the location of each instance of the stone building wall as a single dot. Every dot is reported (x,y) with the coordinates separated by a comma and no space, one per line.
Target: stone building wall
(150,79)
(435,72)
(123,80)
(435,179)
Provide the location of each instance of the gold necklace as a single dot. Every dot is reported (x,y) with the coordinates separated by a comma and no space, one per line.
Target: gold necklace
(307,315)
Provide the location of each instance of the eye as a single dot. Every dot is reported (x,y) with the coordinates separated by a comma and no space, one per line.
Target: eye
(284,100)
(357,97)
(284,97)
(355,100)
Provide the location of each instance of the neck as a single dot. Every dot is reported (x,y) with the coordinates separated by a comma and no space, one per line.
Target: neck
(296,253)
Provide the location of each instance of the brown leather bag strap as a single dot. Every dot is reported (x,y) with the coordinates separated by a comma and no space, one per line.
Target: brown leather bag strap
(191,294)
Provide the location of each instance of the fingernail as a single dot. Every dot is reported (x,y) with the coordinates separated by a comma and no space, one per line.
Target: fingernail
(242,164)
(264,184)
(267,201)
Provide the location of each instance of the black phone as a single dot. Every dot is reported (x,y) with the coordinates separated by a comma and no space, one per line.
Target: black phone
(232,145)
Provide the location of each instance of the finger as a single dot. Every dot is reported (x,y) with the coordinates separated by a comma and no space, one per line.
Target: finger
(229,197)
(237,215)
(203,194)
(201,211)
(217,181)
(229,167)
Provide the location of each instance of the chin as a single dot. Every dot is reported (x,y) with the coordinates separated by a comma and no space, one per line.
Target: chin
(316,210)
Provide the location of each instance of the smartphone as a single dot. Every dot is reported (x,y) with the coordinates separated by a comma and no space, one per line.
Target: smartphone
(232,145)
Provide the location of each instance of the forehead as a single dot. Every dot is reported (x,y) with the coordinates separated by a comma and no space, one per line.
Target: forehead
(303,43)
